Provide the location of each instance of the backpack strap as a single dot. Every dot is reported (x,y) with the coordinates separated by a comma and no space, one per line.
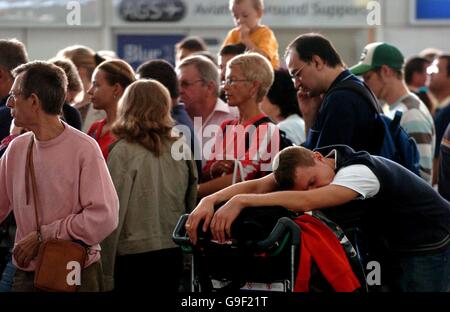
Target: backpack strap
(395,121)
(227,123)
(363,90)
(263,120)
(257,123)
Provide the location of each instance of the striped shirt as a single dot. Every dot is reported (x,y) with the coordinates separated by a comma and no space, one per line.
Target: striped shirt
(230,144)
(418,123)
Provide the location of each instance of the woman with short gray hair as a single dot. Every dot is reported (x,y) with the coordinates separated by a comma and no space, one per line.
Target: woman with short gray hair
(248,79)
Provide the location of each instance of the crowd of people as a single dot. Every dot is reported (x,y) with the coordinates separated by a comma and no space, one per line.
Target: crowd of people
(119,155)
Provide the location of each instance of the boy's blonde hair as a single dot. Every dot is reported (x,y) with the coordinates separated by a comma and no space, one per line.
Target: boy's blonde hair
(257,4)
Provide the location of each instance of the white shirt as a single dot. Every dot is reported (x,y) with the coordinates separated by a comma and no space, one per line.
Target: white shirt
(220,113)
(358,178)
(294,127)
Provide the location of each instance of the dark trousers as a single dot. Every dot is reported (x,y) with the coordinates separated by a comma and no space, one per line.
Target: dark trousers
(158,271)
(424,273)
(7,277)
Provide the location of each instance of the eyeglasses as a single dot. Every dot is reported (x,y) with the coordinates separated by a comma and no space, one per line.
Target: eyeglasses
(187,84)
(298,73)
(230,82)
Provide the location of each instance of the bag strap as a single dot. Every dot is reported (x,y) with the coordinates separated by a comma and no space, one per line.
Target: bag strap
(362,90)
(396,121)
(30,173)
(256,124)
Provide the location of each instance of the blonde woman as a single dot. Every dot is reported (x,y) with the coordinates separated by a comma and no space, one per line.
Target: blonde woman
(85,60)
(248,79)
(109,81)
(154,191)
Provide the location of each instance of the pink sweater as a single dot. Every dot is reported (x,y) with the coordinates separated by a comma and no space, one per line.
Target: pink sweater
(76,197)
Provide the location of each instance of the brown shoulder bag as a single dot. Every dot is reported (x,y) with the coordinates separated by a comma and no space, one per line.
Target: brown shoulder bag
(56,257)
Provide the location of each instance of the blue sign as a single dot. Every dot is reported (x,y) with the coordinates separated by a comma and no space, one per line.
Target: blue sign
(137,49)
(432,10)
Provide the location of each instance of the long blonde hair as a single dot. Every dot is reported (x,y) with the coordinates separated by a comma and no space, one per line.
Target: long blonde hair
(144,115)
(82,57)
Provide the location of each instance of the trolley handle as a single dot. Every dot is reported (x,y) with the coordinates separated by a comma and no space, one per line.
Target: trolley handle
(283,226)
(179,235)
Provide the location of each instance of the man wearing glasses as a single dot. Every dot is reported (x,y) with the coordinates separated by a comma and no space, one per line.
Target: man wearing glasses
(75,196)
(199,91)
(337,117)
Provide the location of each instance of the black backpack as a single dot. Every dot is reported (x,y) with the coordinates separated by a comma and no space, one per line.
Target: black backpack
(395,143)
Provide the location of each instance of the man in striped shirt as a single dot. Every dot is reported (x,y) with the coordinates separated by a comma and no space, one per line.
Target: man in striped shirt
(381,66)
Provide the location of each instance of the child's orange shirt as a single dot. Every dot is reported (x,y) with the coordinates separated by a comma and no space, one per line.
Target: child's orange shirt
(263,38)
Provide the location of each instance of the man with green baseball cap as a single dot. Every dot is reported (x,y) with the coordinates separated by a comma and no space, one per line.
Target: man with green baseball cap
(376,55)
(381,66)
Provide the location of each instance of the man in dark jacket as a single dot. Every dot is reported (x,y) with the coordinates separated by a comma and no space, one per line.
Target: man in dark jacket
(332,117)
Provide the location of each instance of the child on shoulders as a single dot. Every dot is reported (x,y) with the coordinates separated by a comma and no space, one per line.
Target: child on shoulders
(258,38)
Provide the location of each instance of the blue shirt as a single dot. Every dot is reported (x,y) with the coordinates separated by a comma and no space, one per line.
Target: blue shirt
(344,117)
(181,117)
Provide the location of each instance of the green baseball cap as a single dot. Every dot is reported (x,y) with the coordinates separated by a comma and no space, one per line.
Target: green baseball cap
(377,54)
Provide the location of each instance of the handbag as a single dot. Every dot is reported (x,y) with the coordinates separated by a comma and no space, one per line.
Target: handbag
(56,256)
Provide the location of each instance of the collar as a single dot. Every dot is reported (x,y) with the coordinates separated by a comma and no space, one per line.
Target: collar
(221,106)
(253,120)
(394,105)
(444,102)
(56,140)
(333,154)
(178,107)
(337,151)
(344,75)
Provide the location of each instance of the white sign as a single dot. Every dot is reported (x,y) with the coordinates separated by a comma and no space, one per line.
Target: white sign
(215,13)
(29,13)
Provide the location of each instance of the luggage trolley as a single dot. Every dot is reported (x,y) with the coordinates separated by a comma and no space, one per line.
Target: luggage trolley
(267,264)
